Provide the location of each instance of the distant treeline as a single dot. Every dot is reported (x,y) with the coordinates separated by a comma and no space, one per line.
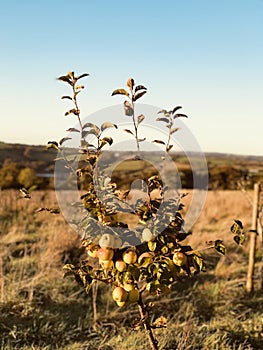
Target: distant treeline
(25,165)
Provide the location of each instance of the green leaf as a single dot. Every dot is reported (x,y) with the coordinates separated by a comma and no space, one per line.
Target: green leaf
(66,97)
(176,109)
(220,247)
(52,144)
(140,118)
(237,227)
(152,245)
(82,76)
(180,115)
(108,139)
(129,131)
(73,130)
(164,111)
(64,139)
(107,125)
(139,95)
(174,130)
(65,78)
(120,92)
(159,141)
(239,239)
(166,120)
(72,111)
(140,87)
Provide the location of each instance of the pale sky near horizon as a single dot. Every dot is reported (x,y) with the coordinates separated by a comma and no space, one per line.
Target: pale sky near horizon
(204,55)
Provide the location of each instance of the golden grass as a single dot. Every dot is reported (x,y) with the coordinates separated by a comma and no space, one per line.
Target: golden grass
(41,310)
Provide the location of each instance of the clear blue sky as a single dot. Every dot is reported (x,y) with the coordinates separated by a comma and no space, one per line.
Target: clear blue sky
(206,55)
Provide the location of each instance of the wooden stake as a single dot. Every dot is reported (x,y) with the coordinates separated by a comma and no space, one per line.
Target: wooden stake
(253,239)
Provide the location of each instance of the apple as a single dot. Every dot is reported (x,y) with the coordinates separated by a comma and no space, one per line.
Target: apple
(110,241)
(120,303)
(129,257)
(106,264)
(179,259)
(128,287)
(146,255)
(120,265)
(147,235)
(119,294)
(133,296)
(105,253)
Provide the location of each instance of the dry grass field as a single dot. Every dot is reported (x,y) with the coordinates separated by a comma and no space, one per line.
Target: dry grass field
(41,310)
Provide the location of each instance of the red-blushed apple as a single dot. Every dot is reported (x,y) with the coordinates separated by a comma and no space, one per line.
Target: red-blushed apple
(119,294)
(105,253)
(120,265)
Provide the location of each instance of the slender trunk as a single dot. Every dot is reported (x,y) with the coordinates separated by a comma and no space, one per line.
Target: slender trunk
(153,342)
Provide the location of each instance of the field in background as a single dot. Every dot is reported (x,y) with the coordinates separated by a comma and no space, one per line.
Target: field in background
(41,310)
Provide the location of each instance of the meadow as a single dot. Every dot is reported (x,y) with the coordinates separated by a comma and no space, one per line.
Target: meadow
(39,309)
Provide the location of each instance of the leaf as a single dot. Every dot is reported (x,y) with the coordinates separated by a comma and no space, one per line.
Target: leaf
(72,111)
(164,111)
(108,139)
(79,87)
(139,95)
(120,92)
(140,118)
(174,130)
(141,140)
(128,110)
(82,76)
(152,246)
(89,125)
(220,247)
(180,115)
(66,97)
(65,78)
(107,125)
(52,144)
(64,139)
(159,141)
(140,87)
(176,109)
(169,148)
(166,120)
(237,227)
(73,130)
(130,83)
(129,131)
(239,239)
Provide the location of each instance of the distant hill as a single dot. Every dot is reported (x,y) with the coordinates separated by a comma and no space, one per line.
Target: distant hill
(225,170)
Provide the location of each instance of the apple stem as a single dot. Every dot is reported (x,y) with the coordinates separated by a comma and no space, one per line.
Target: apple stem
(145,321)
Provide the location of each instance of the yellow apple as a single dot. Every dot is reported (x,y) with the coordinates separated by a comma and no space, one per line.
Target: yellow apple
(129,257)
(179,259)
(128,287)
(120,265)
(105,253)
(106,264)
(120,303)
(119,294)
